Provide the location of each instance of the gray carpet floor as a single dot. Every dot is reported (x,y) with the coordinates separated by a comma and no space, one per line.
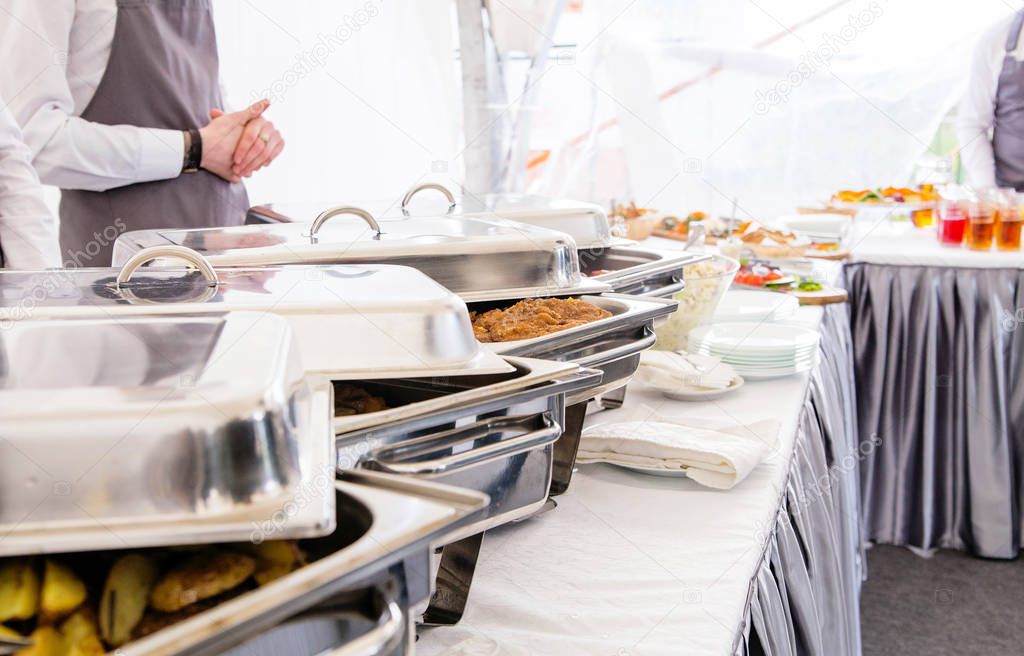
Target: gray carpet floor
(950,604)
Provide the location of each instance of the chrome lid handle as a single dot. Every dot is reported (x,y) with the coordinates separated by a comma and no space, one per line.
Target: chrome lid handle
(319,221)
(147,255)
(423,187)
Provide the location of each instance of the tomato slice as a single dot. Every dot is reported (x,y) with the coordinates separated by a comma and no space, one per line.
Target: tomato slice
(774,275)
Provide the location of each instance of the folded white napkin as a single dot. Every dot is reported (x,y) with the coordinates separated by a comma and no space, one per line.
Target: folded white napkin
(718,456)
(672,370)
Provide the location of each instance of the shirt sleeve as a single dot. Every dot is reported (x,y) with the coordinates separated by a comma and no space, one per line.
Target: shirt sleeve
(28,231)
(976,112)
(68,151)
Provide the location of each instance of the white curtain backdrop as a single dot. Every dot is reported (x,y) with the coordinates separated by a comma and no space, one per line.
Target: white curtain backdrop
(364,91)
(773,103)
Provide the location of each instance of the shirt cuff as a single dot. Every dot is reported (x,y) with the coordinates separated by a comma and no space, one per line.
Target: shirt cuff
(161,154)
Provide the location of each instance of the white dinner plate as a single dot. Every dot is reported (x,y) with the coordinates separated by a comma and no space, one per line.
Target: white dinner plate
(668,473)
(751,305)
(760,338)
(697,394)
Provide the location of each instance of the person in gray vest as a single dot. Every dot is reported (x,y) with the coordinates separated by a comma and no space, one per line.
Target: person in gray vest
(120,103)
(995,101)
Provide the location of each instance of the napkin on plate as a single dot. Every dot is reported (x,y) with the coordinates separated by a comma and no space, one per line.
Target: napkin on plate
(672,370)
(715,454)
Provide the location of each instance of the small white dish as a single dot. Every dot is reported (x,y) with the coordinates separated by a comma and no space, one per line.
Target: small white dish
(698,394)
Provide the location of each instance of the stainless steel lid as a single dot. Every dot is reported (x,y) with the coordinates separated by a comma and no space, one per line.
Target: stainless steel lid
(149,431)
(350,321)
(470,256)
(586,223)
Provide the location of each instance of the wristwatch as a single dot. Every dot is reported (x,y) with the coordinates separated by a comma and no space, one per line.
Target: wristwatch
(193,151)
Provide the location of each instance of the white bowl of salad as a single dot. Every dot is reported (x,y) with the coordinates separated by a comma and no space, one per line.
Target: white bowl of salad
(706,284)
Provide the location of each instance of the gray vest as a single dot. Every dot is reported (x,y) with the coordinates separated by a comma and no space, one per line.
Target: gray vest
(1008,124)
(162,73)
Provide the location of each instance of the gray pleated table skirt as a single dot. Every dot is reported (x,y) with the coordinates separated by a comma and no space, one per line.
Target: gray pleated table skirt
(938,359)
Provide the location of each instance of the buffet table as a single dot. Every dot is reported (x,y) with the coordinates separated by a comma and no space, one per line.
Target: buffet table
(632,563)
(939,347)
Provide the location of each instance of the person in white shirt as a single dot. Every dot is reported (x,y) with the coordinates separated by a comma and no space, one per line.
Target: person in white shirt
(28,231)
(119,101)
(995,101)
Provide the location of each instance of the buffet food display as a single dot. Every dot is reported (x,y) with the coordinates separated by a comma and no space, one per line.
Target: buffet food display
(434,370)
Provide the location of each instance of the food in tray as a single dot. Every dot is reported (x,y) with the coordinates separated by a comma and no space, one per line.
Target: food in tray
(534,317)
(637,221)
(769,243)
(65,610)
(924,193)
(769,277)
(353,400)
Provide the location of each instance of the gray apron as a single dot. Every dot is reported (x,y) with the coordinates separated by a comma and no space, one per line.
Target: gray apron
(1008,130)
(162,73)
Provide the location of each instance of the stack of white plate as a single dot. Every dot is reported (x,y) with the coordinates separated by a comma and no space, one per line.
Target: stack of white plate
(754,305)
(758,350)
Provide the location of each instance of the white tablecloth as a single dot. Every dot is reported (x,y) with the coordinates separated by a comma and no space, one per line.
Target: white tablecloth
(877,240)
(631,563)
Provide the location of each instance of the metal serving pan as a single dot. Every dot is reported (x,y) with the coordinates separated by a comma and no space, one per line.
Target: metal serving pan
(353,321)
(493,433)
(385,526)
(475,258)
(611,345)
(586,223)
(639,270)
(147,431)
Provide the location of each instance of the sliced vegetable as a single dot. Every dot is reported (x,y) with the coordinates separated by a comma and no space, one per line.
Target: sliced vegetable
(125,595)
(810,286)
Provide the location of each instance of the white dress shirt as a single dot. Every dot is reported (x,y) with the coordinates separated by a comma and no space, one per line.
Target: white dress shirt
(976,113)
(55,53)
(28,231)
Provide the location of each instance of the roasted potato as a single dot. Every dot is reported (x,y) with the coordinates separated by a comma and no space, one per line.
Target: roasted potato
(125,596)
(46,641)
(81,635)
(204,575)
(62,591)
(6,632)
(19,589)
(274,559)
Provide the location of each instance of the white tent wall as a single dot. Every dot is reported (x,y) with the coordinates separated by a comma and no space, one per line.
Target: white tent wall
(772,103)
(365,93)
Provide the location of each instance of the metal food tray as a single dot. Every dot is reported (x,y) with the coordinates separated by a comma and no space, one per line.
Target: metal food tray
(469,256)
(612,345)
(349,320)
(153,431)
(639,270)
(586,223)
(493,434)
(382,520)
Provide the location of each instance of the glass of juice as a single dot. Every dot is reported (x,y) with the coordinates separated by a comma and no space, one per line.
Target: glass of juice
(952,222)
(981,219)
(1008,227)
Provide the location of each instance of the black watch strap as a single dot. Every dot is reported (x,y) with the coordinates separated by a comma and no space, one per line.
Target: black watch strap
(194,156)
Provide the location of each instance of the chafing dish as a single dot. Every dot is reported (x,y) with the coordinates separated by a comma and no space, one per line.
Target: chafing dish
(626,266)
(494,434)
(586,223)
(357,592)
(349,321)
(490,433)
(155,431)
(638,270)
(476,258)
(612,345)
